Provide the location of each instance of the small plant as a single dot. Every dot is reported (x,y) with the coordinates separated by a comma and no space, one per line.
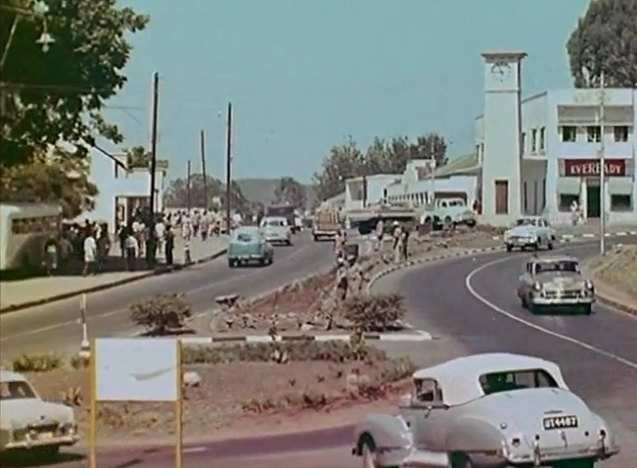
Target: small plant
(378,312)
(78,362)
(72,396)
(161,314)
(37,363)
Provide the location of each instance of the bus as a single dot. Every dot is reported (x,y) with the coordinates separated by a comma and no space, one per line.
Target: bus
(24,229)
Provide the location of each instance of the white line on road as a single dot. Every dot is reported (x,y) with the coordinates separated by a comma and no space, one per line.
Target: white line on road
(532,325)
(194,449)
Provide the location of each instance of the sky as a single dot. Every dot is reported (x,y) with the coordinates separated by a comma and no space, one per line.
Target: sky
(304,75)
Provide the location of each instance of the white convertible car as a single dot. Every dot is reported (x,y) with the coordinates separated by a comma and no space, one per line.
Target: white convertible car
(487,410)
(27,422)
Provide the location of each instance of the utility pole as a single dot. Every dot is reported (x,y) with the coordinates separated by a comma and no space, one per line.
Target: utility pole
(188,189)
(602,166)
(151,244)
(228,167)
(203,169)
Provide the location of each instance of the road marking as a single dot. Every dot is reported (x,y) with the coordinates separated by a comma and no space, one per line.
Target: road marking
(121,311)
(194,449)
(532,325)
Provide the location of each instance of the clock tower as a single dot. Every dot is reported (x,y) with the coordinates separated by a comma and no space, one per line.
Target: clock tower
(501,165)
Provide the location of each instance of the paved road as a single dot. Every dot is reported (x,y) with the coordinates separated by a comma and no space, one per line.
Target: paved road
(54,326)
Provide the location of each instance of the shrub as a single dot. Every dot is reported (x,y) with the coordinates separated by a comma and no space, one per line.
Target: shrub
(332,351)
(161,314)
(376,312)
(78,362)
(37,363)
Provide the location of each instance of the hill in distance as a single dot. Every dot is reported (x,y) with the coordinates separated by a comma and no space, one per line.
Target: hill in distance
(262,190)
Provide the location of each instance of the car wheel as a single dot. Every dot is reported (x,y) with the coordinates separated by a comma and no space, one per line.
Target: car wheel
(586,309)
(461,460)
(231,263)
(550,245)
(369,453)
(509,247)
(316,238)
(523,301)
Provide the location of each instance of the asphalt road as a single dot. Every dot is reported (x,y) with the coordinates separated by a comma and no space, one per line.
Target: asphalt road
(54,326)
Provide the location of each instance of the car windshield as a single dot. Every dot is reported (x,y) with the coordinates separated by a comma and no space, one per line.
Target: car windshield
(274,223)
(526,222)
(15,390)
(516,380)
(245,237)
(568,266)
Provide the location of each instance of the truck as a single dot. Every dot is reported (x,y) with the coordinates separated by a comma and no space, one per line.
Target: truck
(447,212)
(283,211)
(326,225)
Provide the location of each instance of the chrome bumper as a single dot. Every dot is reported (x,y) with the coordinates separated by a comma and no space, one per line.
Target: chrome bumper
(27,444)
(562,301)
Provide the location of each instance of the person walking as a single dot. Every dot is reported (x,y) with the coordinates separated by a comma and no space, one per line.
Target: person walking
(51,255)
(405,244)
(90,253)
(132,250)
(380,233)
(169,245)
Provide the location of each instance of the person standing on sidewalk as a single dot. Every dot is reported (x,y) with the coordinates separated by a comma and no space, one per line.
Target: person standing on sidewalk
(103,247)
(90,253)
(51,255)
(380,232)
(132,250)
(169,245)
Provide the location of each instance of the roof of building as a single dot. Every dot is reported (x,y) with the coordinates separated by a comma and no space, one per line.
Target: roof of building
(462,164)
(459,378)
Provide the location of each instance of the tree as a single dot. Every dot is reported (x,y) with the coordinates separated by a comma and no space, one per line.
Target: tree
(55,178)
(290,191)
(343,162)
(138,157)
(393,157)
(176,194)
(430,146)
(605,39)
(59,95)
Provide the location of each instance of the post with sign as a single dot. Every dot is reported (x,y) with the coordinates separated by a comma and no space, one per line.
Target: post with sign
(135,370)
(602,169)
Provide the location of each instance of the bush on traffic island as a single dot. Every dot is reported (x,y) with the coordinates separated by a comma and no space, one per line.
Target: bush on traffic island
(374,312)
(37,362)
(161,314)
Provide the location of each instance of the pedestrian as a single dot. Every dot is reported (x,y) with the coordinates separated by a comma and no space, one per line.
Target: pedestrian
(121,235)
(90,253)
(380,232)
(160,236)
(398,241)
(342,280)
(103,247)
(51,255)
(169,245)
(132,251)
(405,250)
(187,257)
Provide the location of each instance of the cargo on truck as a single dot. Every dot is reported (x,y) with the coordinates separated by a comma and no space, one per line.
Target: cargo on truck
(326,225)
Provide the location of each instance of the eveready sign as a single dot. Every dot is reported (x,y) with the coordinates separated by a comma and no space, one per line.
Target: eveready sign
(591,167)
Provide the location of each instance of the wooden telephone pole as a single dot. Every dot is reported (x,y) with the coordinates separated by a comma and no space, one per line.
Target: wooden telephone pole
(151,244)
(229,168)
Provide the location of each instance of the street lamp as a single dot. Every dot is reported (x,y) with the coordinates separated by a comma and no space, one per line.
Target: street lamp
(45,40)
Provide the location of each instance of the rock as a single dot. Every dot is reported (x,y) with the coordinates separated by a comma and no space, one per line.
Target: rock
(354,381)
(307,327)
(192,379)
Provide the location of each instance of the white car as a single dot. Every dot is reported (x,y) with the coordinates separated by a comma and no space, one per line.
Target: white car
(276,230)
(487,410)
(29,423)
(530,232)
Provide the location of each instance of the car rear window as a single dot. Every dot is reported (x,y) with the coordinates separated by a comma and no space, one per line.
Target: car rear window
(516,380)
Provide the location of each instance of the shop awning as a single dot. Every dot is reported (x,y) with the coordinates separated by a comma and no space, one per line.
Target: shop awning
(620,185)
(568,185)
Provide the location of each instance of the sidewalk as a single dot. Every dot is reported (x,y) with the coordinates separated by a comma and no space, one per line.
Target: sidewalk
(20,294)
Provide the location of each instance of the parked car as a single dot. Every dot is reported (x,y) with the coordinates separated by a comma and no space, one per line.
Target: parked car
(555,281)
(247,245)
(275,229)
(530,231)
(29,423)
(487,410)
(445,212)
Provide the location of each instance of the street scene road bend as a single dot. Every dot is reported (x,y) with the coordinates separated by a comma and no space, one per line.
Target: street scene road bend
(318,234)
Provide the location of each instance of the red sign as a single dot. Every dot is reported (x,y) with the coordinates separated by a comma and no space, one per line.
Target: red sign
(591,167)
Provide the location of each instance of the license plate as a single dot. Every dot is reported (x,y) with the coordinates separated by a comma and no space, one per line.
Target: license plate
(559,422)
(45,435)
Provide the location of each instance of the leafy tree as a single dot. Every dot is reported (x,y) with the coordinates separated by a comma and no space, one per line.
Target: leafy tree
(290,191)
(605,39)
(430,146)
(59,95)
(176,194)
(56,178)
(342,163)
(137,157)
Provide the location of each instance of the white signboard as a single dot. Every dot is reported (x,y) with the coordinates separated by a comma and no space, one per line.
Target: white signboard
(136,369)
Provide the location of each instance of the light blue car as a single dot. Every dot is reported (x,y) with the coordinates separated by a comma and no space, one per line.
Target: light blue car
(247,245)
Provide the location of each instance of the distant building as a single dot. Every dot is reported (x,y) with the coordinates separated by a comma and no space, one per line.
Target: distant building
(122,192)
(368,190)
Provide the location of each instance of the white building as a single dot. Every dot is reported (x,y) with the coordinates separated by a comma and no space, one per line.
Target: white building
(122,192)
(538,155)
(356,188)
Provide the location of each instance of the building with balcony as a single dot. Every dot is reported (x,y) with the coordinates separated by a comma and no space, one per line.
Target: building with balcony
(122,192)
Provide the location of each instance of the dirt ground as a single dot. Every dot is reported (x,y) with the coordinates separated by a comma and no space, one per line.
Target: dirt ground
(617,269)
(234,398)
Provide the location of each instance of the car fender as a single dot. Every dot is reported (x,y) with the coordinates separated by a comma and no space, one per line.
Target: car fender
(610,442)
(473,434)
(388,432)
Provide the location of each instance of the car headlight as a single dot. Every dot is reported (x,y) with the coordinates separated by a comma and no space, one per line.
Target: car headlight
(537,286)
(589,285)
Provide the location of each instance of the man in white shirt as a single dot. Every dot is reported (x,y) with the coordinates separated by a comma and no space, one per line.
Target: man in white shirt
(90,254)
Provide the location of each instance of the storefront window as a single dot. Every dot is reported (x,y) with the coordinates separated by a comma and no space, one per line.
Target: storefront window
(621,203)
(566,200)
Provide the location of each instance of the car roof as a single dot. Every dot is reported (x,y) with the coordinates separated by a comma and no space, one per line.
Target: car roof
(10,376)
(459,378)
(555,258)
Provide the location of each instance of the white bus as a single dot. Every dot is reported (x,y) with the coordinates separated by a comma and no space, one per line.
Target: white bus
(24,228)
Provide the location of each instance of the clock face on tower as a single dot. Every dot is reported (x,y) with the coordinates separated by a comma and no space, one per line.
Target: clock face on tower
(501,71)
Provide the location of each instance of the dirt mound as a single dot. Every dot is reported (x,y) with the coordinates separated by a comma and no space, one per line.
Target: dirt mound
(618,268)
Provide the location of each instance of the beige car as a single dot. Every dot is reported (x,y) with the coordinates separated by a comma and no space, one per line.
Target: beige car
(29,423)
(555,281)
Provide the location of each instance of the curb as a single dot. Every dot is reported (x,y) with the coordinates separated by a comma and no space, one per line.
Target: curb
(250,339)
(102,287)
(631,310)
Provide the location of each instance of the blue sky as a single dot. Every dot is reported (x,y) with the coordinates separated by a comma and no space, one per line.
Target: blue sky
(305,74)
